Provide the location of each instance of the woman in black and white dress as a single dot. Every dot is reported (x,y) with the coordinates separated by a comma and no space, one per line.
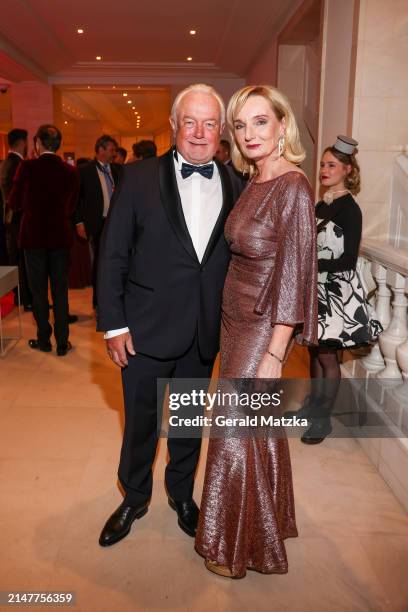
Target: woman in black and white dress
(344,315)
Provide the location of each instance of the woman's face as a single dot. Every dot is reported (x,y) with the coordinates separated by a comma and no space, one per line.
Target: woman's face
(333,172)
(257,130)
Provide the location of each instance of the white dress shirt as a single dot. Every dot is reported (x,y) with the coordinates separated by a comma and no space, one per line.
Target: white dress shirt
(201,200)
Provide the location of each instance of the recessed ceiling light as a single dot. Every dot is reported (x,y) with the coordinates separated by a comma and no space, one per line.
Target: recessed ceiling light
(124,94)
(113,86)
(133,107)
(193,32)
(189,59)
(98,58)
(65,122)
(138,86)
(129,101)
(80,30)
(89,87)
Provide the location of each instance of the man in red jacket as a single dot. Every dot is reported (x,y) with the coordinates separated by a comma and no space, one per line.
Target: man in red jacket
(46,191)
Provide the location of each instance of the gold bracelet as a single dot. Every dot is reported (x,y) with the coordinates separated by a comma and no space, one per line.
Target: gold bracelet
(276,357)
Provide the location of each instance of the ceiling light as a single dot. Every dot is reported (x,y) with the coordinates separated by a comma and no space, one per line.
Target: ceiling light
(129,101)
(89,87)
(138,86)
(124,94)
(80,30)
(113,86)
(192,32)
(133,107)
(189,59)
(98,58)
(65,122)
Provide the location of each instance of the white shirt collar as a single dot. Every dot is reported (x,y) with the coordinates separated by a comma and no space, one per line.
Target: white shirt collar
(47,153)
(16,153)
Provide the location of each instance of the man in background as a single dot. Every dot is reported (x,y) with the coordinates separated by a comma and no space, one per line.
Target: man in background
(45,191)
(17,141)
(144,149)
(99,179)
(121,155)
(223,153)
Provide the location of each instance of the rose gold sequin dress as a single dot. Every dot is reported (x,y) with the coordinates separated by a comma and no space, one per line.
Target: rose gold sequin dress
(247,508)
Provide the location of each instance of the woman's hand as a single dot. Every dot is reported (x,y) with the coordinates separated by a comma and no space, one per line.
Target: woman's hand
(269,367)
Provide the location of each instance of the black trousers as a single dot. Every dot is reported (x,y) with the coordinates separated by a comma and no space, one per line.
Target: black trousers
(140,436)
(95,241)
(41,265)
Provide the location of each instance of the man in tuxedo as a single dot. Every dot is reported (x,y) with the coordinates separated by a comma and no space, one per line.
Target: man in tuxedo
(98,181)
(17,141)
(163,263)
(46,192)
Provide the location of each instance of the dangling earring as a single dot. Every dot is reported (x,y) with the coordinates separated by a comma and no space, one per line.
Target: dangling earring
(281,145)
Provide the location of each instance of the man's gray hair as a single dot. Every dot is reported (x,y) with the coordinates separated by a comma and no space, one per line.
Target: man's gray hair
(200,88)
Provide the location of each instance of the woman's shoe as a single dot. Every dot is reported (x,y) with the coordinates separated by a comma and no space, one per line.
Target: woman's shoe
(216,568)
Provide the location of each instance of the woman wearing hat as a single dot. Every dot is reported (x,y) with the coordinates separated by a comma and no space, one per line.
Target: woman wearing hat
(343,315)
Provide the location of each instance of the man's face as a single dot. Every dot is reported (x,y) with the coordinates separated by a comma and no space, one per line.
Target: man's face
(106,154)
(198,127)
(222,154)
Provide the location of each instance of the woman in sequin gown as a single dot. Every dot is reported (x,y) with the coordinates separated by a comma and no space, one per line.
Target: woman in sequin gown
(270,295)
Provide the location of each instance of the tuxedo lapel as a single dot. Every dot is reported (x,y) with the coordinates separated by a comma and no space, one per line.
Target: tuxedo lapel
(97,183)
(227,203)
(171,201)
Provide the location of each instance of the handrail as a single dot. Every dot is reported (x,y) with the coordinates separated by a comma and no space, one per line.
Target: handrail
(385,254)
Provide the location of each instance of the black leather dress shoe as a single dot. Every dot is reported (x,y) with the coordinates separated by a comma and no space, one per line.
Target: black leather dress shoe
(118,525)
(72,319)
(62,349)
(187,512)
(40,346)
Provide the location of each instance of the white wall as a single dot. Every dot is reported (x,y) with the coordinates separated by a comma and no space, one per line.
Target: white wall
(380,105)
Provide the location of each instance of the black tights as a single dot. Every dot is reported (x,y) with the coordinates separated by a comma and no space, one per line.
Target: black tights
(325,376)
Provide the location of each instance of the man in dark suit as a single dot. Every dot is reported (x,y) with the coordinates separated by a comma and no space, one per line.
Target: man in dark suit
(98,181)
(223,153)
(46,192)
(163,263)
(17,141)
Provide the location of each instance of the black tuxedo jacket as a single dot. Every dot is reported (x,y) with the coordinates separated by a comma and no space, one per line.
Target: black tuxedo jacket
(149,277)
(8,171)
(90,204)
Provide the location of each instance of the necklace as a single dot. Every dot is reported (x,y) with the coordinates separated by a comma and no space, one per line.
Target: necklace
(329,195)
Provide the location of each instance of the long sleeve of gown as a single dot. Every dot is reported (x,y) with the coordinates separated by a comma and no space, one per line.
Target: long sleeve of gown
(291,287)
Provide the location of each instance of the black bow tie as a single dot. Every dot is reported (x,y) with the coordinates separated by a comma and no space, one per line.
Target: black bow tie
(188,169)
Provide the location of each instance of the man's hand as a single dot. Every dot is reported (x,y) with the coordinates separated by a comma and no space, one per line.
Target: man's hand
(81,231)
(117,347)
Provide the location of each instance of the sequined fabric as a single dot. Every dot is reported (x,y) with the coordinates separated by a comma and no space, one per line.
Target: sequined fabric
(247,508)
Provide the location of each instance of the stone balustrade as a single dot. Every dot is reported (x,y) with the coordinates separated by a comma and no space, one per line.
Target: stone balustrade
(383,271)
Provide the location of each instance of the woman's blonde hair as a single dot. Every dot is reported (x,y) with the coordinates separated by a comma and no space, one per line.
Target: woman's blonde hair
(293,150)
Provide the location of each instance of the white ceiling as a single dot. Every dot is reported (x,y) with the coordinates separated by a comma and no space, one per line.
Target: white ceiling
(140,41)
